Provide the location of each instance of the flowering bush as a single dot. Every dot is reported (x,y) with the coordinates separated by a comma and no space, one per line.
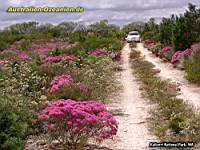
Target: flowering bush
(83,88)
(167,53)
(23,56)
(166,49)
(42,45)
(115,56)
(52,59)
(195,47)
(176,57)
(99,78)
(3,62)
(64,87)
(155,48)
(42,49)
(148,41)
(42,52)
(55,59)
(70,57)
(59,82)
(14,46)
(97,52)
(21,78)
(181,55)
(73,122)
(118,56)
(122,41)
(148,44)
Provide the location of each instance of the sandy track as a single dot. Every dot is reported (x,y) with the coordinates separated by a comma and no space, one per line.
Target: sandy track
(133,132)
(189,92)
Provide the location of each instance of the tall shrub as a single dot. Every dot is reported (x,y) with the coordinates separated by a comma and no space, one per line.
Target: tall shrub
(192,68)
(165,30)
(181,37)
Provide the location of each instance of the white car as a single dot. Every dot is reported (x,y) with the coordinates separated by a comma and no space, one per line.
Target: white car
(133,36)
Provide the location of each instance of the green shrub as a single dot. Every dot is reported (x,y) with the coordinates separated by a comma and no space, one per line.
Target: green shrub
(20,89)
(57,52)
(98,42)
(156,48)
(7,54)
(192,68)
(11,128)
(198,39)
(23,79)
(70,92)
(150,35)
(78,36)
(3,45)
(181,37)
(16,121)
(165,30)
(25,44)
(99,77)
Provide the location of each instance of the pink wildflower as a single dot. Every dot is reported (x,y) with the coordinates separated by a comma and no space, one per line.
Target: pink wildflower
(71,57)
(80,118)
(118,56)
(186,53)
(51,126)
(166,49)
(195,47)
(14,46)
(23,56)
(97,52)
(177,56)
(59,82)
(3,62)
(81,87)
(52,59)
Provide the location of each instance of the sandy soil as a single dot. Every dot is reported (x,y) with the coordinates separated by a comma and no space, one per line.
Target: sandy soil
(189,92)
(132,111)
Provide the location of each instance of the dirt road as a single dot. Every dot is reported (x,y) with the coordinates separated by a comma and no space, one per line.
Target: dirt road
(189,92)
(133,132)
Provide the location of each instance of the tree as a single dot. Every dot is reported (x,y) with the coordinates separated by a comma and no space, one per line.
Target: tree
(134,26)
(182,37)
(192,16)
(165,30)
(23,28)
(103,28)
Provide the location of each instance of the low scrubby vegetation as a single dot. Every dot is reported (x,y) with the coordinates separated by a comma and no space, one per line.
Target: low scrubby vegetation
(42,67)
(192,67)
(176,40)
(172,118)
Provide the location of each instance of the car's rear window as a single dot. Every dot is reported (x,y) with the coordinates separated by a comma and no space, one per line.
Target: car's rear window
(134,33)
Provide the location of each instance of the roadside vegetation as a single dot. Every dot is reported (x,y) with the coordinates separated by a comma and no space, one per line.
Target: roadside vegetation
(52,76)
(175,39)
(171,118)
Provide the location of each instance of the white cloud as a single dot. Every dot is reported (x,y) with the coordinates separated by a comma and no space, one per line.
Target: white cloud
(116,11)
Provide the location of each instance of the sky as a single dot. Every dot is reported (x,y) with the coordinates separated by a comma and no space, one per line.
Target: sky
(119,12)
